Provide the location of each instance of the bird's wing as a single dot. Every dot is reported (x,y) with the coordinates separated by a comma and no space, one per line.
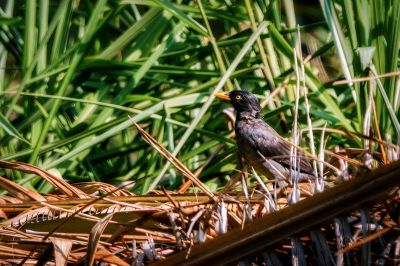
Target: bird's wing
(266,141)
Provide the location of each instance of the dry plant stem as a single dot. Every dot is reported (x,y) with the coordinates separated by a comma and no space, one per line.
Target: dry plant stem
(75,213)
(282,85)
(177,207)
(178,164)
(295,136)
(244,176)
(53,230)
(80,215)
(63,186)
(349,160)
(136,206)
(318,182)
(188,183)
(378,132)
(386,75)
(274,227)
(83,238)
(94,238)
(18,232)
(155,234)
(19,191)
(321,158)
(364,240)
(199,198)
(66,188)
(356,134)
(367,128)
(264,187)
(345,158)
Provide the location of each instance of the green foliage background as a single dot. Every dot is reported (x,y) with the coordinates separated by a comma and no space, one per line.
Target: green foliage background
(75,74)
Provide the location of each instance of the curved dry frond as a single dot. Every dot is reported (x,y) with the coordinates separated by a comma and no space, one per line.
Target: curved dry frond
(57,182)
(19,191)
(62,249)
(94,238)
(121,228)
(101,188)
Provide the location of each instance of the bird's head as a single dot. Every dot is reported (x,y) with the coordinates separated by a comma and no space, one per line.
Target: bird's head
(242,101)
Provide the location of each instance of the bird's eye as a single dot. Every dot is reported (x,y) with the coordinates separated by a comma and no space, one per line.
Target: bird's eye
(238,97)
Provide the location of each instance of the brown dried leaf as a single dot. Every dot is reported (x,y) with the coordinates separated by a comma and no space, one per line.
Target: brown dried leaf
(106,256)
(62,248)
(27,216)
(59,183)
(93,187)
(4,199)
(94,239)
(178,164)
(3,215)
(19,191)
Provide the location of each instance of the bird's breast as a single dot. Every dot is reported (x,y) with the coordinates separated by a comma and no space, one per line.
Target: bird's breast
(243,132)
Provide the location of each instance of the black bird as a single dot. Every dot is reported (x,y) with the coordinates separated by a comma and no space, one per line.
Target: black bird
(260,144)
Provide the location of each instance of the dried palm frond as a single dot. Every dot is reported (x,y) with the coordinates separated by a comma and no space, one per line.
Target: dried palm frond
(120,228)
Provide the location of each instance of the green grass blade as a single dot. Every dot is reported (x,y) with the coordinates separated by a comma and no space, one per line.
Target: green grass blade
(29,33)
(166,5)
(207,104)
(10,129)
(93,26)
(117,45)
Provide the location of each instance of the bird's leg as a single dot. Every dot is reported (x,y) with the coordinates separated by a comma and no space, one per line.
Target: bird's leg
(245,175)
(243,169)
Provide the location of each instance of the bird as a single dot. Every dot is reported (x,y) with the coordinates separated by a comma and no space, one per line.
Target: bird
(259,144)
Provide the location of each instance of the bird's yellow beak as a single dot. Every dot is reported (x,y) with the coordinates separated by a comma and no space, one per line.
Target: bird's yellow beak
(223,96)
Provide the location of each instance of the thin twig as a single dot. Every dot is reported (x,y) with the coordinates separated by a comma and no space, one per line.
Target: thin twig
(386,75)
(172,159)
(364,240)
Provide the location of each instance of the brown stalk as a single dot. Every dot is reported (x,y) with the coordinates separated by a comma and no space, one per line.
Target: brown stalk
(386,75)
(384,156)
(63,186)
(364,240)
(178,164)
(189,182)
(176,205)
(62,249)
(20,192)
(94,238)
(357,134)
(345,158)
(150,200)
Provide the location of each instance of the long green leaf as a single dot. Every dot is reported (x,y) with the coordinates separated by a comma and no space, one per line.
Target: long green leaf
(165,4)
(10,129)
(205,107)
(93,26)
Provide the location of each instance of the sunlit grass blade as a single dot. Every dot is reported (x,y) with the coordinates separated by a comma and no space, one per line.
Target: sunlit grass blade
(207,104)
(166,5)
(10,129)
(92,27)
